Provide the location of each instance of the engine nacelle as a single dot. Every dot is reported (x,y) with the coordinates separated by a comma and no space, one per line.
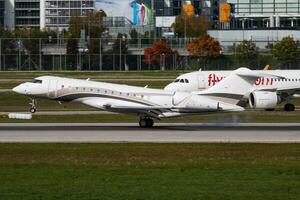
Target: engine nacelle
(263,99)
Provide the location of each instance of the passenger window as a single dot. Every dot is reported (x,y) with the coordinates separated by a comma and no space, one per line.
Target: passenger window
(62,86)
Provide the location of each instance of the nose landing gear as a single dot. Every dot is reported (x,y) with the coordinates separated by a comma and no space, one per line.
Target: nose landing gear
(146,122)
(33,106)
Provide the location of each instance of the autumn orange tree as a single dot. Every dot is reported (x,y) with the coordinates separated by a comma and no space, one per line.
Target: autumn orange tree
(205,48)
(160,50)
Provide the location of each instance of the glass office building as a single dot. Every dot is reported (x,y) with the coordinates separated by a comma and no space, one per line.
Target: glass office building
(266,13)
(266,7)
(27,13)
(57,14)
(171,7)
(54,14)
(2,8)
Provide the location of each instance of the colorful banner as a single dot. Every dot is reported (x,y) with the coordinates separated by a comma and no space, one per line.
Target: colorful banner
(136,8)
(142,14)
(149,18)
(188,8)
(224,12)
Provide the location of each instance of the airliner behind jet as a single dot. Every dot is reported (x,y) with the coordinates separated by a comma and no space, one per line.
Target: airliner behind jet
(146,103)
(266,92)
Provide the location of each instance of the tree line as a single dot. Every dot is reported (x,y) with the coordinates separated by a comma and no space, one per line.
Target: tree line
(201,47)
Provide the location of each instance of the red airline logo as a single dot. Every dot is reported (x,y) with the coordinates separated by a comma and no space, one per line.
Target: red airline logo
(213,79)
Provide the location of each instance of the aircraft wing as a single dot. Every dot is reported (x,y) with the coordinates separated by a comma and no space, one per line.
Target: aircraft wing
(151,111)
(122,106)
(285,90)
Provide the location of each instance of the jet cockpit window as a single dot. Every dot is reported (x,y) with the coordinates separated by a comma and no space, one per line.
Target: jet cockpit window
(181,80)
(176,80)
(36,81)
(186,81)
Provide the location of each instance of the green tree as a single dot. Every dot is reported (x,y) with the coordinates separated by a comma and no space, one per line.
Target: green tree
(190,26)
(93,26)
(30,42)
(286,50)
(119,48)
(9,49)
(72,53)
(133,36)
(247,53)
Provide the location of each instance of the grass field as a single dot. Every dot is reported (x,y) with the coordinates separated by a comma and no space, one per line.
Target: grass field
(93,74)
(150,171)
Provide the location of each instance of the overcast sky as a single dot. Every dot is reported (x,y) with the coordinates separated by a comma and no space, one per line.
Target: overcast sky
(115,7)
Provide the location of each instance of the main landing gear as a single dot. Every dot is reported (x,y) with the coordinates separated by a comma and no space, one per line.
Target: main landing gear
(33,106)
(289,107)
(146,122)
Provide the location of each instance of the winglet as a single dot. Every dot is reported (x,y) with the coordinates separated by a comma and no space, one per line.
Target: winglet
(267,67)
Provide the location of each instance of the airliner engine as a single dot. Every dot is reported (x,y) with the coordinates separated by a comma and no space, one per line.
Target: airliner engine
(264,99)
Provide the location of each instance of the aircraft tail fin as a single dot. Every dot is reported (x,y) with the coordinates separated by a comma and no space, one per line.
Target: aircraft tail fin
(267,67)
(235,86)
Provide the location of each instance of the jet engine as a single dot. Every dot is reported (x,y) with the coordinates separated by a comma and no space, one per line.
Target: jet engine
(264,99)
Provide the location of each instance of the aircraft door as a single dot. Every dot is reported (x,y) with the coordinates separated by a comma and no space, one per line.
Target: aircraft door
(201,81)
(52,90)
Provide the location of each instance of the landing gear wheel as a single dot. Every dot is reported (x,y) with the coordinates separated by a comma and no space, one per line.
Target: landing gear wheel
(33,106)
(143,123)
(289,107)
(32,110)
(149,122)
(146,123)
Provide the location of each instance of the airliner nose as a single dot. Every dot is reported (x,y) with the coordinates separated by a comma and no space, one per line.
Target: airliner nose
(18,89)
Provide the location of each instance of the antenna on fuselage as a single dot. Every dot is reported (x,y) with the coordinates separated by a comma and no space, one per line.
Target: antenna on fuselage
(88,79)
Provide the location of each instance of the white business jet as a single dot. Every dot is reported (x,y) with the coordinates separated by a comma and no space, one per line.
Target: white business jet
(266,93)
(147,103)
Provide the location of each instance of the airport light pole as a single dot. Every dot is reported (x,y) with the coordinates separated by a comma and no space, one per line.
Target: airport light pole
(184,29)
(153,20)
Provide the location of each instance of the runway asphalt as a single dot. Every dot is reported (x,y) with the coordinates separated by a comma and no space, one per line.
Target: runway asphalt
(130,132)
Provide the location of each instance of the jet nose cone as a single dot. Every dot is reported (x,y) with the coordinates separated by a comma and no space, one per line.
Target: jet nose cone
(18,89)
